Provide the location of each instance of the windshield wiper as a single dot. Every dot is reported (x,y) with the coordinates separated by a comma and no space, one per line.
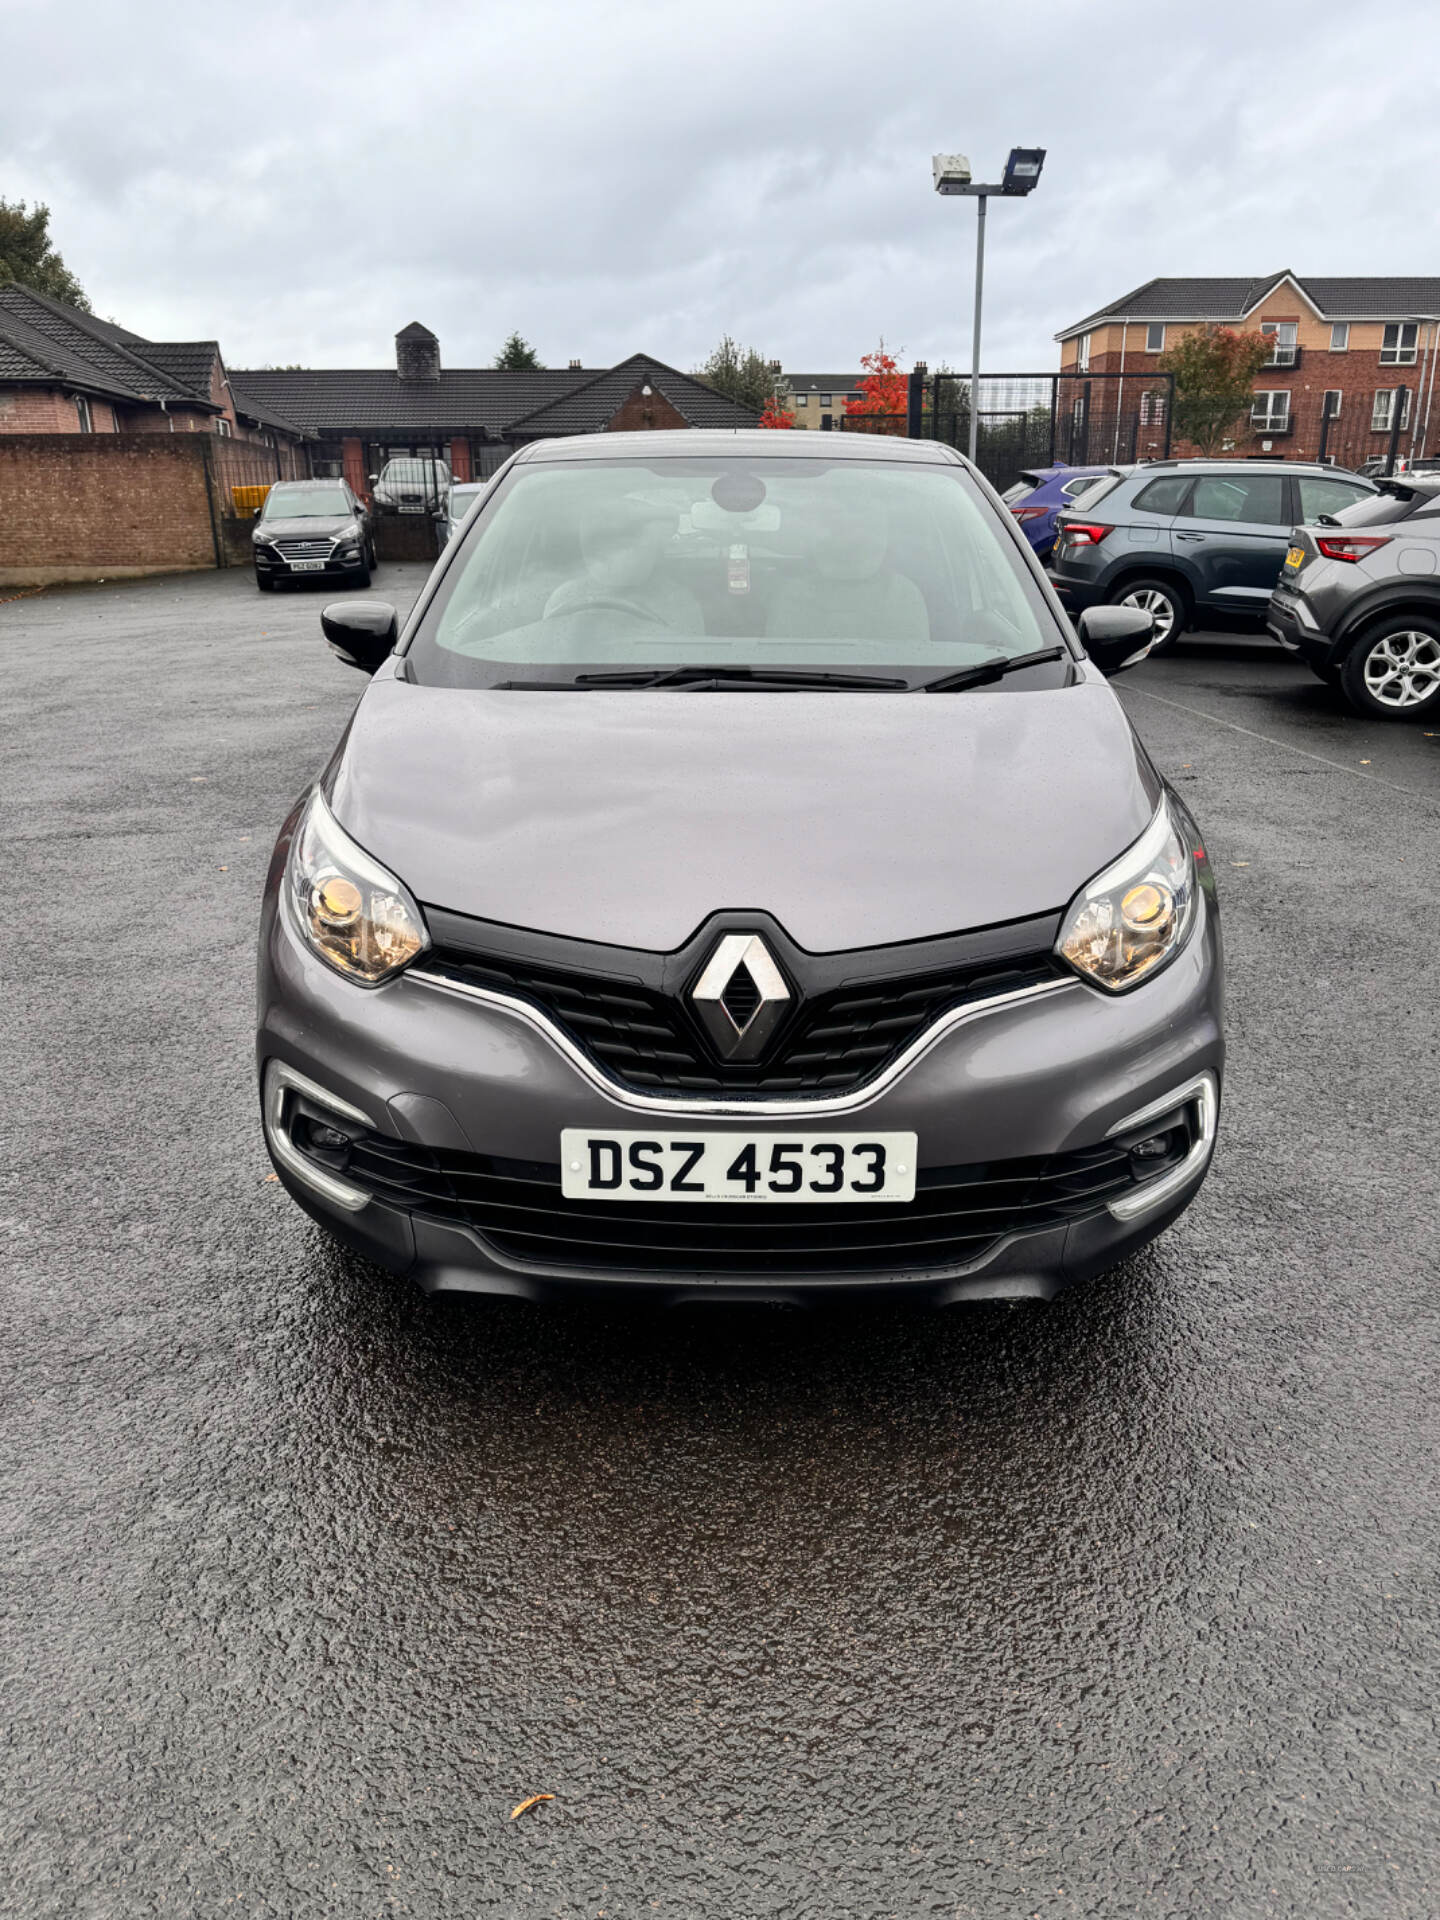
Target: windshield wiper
(747,676)
(986,670)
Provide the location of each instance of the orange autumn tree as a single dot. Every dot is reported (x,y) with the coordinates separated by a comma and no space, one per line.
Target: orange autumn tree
(775,412)
(884,388)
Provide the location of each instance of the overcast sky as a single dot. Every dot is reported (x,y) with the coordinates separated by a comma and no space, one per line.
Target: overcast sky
(301,181)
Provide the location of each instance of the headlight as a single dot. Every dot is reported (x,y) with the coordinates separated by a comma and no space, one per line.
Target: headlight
(355,914)
(1133,917)
(346,535)
(261,538)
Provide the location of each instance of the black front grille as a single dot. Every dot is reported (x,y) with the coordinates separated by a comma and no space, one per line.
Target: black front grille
(832,1042)
(305,549)
(957,1213)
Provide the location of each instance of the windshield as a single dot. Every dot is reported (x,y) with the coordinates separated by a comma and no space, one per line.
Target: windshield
(305,503)
(733,561)
(429,471)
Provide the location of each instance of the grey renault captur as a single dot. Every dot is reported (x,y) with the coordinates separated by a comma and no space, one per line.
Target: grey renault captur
(737,880)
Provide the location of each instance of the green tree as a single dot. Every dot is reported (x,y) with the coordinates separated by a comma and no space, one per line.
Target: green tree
(26,254)
(745,377)
(518,356)
(1214,371)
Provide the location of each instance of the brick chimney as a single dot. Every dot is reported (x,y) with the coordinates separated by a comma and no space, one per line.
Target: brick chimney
(417,353)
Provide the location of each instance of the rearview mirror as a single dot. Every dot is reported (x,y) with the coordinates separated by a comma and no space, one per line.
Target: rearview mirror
(363,635)
(1116,637)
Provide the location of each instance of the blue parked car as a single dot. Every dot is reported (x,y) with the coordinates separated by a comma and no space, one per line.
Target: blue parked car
(1042,492)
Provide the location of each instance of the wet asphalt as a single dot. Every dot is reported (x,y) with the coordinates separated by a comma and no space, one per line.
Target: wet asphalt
(1127,1605)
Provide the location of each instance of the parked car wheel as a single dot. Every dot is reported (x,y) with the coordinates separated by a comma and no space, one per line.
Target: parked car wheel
(362,578)
(1163,601)
(265,583)
(371,561)
(1393,670)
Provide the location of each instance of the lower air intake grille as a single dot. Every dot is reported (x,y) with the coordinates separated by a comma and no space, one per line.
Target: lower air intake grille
(518,1209)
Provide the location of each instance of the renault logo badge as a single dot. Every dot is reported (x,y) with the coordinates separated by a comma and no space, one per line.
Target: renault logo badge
(740,997)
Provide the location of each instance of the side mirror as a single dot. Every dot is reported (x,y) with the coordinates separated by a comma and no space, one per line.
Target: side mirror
(255,513)
(372,478)
(362,636)
(1116,637)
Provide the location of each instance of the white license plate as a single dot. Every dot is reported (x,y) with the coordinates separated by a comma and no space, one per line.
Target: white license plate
(306,566)
(417,507)
(687,1164)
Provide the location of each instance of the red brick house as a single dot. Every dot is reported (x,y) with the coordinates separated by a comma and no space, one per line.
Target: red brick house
(1343,350)
(64,371)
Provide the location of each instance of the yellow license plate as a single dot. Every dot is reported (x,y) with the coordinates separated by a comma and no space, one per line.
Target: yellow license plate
(1295,559)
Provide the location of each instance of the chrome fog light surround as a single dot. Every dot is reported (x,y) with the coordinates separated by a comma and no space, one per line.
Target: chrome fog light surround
(1203,1093)
(280,1080)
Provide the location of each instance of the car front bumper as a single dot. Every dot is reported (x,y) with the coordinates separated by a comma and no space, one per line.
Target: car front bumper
(274,566)
(435,1080)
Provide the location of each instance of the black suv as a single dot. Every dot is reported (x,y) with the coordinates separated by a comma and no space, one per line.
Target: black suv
(1178,537)
(312,527)
(1359,599)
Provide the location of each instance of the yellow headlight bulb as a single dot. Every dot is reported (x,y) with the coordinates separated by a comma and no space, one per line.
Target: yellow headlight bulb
(1146,908)
(338,902)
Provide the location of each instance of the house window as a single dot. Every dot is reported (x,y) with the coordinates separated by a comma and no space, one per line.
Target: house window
(1283,334)
(1152,409)
(1330,407)
(1154,338)
(855,394)
(1270,413)
(222,426)
(1397,349)
(1382,414)
(1340,337)
(82,410)
(825,399)
(802,399)
(1082,353)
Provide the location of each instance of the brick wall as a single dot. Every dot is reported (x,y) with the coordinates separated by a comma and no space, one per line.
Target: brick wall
(644,411)
(85,506)
(49,410)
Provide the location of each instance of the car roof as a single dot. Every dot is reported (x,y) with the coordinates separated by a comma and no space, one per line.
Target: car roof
(1219,465)
(693,442)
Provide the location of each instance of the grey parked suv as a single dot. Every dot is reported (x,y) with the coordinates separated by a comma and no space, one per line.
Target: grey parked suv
(1181,537)
(1359,600)
(737,878)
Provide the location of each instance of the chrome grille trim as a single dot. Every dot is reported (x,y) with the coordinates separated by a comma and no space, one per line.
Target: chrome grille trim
(792,1106)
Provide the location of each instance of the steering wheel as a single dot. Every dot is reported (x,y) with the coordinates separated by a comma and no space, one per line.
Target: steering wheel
(609,603)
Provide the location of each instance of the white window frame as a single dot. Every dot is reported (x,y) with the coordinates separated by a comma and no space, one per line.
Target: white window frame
(1401,354)
(1152,343)
(1263,415)
(1152,409)
(802,399)
(1283,353)
(1082,354)
(1340,337)
(222,427)
(83,414)
(826,399)
(1382,412)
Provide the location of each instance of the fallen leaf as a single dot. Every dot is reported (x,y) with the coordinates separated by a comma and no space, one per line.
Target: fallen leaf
(272,1176)
(1239,863)
(525,1805)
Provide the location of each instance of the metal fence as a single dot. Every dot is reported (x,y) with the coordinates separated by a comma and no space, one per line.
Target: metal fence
(1030,420)
(245,470)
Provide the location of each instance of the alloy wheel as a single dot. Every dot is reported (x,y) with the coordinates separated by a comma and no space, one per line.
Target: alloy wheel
(1159,606)
(1402,669)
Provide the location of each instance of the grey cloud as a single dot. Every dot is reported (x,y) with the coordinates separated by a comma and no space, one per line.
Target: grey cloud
(302,183)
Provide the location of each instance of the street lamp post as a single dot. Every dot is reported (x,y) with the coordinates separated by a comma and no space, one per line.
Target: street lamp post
(952,176)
